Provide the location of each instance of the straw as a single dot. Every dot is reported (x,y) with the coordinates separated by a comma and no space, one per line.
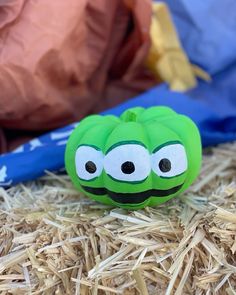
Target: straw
(54,240)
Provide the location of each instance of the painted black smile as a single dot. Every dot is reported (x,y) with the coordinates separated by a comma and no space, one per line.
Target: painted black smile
(132,198)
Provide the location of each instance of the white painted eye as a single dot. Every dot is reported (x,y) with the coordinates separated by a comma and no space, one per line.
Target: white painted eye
(88,162)
(169,161)
(128,162)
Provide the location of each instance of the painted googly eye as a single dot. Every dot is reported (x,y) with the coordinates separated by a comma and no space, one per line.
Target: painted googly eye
(88,162)
(170,160)
(128,162)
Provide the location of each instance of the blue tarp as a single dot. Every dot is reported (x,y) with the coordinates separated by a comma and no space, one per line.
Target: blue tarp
(207,30)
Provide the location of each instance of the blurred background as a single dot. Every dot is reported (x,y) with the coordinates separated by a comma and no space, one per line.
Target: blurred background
(63,60)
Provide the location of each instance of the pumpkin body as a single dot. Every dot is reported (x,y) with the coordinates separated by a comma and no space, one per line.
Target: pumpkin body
(143,158)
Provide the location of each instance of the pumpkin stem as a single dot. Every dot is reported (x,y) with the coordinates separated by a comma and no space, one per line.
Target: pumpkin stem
(130,116)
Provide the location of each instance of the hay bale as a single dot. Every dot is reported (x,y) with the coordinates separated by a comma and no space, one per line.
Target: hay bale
(54,240)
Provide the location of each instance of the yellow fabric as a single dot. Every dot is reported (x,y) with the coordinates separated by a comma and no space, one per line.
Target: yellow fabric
(166,58)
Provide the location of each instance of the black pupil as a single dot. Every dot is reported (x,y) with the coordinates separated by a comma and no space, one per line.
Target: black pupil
(165,165)
(127,167)
(90,167)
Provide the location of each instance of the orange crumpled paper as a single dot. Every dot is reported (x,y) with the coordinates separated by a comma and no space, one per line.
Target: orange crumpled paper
(61,60)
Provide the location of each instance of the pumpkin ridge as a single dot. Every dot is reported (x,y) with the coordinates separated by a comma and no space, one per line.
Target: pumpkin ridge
(156,113)
(104,125)
(149,135)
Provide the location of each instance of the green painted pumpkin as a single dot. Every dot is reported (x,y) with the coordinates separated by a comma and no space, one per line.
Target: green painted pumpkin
(142,158)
